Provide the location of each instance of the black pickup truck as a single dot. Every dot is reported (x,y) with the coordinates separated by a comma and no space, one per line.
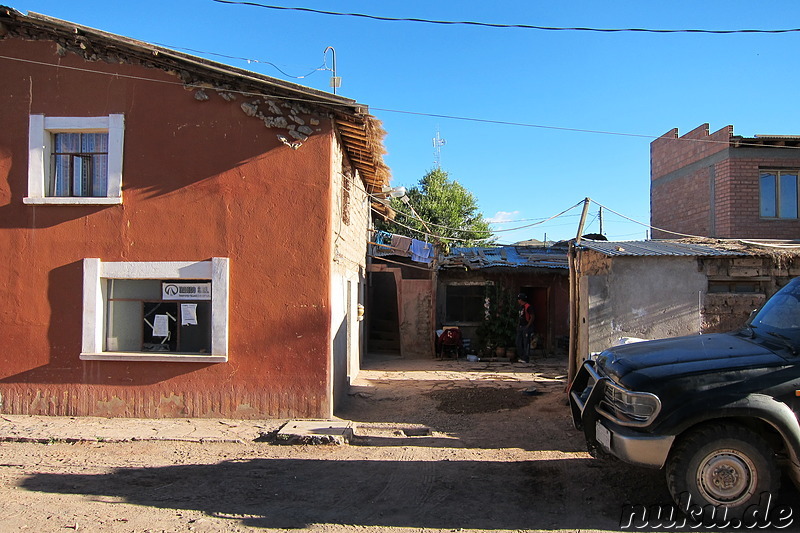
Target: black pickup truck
(719,412)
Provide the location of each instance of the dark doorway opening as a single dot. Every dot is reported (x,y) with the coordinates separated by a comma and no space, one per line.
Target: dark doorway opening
(383,320)
(539,299)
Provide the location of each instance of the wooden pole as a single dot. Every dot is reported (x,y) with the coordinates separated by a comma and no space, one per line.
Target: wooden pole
(586,202)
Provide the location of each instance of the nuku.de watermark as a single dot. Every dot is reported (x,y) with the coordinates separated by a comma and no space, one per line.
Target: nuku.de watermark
(692,515)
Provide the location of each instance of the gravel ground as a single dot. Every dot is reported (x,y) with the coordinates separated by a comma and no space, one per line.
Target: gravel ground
(438,446)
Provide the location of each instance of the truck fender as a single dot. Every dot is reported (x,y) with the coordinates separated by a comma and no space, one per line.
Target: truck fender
(758,406)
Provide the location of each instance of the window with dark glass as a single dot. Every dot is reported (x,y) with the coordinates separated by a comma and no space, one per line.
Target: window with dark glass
(140,319)
(464,303)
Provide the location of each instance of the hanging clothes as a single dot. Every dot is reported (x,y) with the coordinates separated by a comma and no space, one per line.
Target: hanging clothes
(383,237)
(401,245)
(421,251)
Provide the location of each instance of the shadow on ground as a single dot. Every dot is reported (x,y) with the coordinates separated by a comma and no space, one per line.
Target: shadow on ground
(295,493)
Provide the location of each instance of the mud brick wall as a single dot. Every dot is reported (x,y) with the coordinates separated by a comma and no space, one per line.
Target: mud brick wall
(727,311)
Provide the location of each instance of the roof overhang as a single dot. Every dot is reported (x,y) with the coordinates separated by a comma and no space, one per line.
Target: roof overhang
(361,134)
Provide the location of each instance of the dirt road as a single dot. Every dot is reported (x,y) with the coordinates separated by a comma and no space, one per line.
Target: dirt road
(439,446)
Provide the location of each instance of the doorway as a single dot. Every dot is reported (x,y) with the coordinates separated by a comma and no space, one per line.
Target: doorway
(539,299)
(382,318)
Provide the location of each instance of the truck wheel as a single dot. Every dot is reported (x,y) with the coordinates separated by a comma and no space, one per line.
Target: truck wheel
(722,465)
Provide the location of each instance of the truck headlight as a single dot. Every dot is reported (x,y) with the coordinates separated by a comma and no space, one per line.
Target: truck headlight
(628,408)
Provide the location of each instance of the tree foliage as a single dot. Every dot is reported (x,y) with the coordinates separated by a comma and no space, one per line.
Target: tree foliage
(449,210)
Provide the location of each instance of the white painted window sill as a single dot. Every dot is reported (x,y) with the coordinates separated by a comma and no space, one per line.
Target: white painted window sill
(64,200)
(154,357)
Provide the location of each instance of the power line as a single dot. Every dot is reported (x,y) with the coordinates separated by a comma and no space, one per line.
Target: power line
(575,130)
(506,26)
(648,225)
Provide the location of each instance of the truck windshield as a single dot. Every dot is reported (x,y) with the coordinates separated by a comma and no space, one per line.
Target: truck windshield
(780,316)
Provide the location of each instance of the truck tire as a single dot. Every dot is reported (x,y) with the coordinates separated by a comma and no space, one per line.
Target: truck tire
(724,465)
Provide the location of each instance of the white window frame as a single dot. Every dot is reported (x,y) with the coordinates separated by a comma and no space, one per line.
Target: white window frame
(96,271)
(40,147)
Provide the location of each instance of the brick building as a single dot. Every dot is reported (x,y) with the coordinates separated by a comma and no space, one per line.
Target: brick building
(721,185)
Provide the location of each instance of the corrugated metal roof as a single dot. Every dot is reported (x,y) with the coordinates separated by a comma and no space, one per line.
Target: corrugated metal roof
(506,256)
(654,248)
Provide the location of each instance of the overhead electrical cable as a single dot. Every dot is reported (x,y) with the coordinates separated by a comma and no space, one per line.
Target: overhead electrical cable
(503,26)
(537,222)
(648,225)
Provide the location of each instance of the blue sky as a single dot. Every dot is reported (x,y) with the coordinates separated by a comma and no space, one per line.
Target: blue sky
(634,86)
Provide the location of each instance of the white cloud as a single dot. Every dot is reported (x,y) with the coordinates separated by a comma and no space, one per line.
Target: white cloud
(503,216)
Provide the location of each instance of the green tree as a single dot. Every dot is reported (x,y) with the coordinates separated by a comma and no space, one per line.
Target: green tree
(448,209)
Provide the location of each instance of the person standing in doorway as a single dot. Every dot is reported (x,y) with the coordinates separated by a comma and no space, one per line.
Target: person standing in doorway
(524,328)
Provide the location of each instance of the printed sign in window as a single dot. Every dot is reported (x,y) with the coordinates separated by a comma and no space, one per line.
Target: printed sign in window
(185,291)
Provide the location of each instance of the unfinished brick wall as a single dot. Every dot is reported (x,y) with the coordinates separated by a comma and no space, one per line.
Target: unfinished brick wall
(682,205)
(680,186)
(708,185)
(739,182)
(669,152)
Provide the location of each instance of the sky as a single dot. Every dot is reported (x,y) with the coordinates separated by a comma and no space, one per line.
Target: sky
(533,121)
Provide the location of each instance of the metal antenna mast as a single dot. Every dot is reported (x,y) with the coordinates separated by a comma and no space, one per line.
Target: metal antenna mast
(438,142)
(336,81)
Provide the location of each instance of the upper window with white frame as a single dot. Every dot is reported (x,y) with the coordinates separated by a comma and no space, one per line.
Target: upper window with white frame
(75,160)
(778,193)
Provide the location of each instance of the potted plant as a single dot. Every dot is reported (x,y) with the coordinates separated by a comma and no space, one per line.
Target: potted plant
(498,330)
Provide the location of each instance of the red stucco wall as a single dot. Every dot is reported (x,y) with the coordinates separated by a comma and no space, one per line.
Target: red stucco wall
(201,179)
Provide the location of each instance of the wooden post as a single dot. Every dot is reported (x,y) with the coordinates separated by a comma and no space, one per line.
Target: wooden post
(586,202)
(574,303)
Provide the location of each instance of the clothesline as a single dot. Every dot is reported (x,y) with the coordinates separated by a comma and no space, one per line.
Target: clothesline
(416,250)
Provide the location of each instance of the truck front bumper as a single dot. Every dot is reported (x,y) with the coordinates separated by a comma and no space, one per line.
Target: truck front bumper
(628,444)
(631,446)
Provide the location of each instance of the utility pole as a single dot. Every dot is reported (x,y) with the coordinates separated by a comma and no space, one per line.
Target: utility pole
(574,295)
(586,202)
(600,216)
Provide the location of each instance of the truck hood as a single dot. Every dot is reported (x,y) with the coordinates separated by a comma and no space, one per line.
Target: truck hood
(634,365)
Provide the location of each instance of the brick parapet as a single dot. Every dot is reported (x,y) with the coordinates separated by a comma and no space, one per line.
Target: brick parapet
(693,193)
(669,152)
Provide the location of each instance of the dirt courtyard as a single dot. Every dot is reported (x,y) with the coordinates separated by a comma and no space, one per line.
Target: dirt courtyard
(439,446)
